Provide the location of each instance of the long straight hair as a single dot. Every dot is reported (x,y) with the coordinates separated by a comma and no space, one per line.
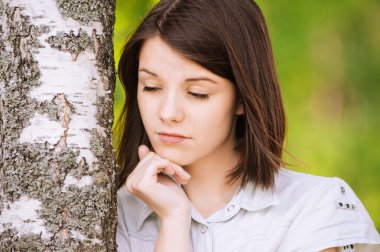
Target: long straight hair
(230,39)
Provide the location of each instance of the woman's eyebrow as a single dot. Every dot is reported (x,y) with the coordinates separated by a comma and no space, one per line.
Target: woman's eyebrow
(147,71)
(201,78)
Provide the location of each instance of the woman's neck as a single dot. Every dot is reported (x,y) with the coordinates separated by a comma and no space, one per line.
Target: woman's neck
(208,189)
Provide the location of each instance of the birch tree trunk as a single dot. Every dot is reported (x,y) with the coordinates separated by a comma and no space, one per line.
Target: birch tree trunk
(57,168)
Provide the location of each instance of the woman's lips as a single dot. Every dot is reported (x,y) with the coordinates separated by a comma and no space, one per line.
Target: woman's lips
(171,139)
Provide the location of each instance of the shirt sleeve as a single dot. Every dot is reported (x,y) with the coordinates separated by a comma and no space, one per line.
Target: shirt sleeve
(122,237)
(333,216)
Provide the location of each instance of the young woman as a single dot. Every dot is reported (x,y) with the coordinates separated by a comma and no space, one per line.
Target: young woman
(202,142)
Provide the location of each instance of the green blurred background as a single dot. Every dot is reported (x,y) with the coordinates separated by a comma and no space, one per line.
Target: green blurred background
(328,61)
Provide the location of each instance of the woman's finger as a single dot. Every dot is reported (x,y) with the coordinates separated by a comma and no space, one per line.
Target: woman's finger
(151,165)
(180,172)
(167,167)
(174,171)
(139,169)
(143,150)
(158,165)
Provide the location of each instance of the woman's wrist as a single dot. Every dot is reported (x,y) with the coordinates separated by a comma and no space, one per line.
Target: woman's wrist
(174,234)
(177,220)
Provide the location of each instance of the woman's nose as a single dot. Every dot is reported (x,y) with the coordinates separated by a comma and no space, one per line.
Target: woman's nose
(171,109)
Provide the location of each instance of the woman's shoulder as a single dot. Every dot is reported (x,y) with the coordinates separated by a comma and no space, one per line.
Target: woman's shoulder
(324,211)
(124,196)
(128,202)
(123,192)
(307,192)
(297,184)
(297,178)
(131,210)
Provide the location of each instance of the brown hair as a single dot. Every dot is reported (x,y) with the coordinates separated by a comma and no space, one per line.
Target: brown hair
(230,39)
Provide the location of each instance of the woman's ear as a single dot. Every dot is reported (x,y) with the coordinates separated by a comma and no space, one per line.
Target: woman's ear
(239,108)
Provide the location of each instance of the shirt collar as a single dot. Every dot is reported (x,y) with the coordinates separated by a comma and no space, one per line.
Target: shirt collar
(250,197)
(255,198)
(144,212)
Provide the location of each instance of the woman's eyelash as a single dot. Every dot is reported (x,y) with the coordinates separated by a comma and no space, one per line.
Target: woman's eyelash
(199,96)
(195,95)
(150,89)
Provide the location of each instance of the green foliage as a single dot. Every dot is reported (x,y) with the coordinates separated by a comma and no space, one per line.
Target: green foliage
(328,60)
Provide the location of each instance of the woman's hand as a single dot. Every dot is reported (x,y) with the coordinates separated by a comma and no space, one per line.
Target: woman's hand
(164,195)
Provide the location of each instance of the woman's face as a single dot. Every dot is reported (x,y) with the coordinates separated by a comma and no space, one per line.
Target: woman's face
(178,97)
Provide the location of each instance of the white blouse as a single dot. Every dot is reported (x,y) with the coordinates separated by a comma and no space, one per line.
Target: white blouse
(302,212)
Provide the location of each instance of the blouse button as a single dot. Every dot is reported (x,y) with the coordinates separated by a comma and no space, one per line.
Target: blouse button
(204,229)
(231,208)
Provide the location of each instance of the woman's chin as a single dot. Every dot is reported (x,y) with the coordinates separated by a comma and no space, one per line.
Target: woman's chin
(175,159)
(175,156)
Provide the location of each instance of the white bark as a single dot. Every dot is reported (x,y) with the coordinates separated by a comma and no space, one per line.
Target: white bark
(57,164)
(22,215)
(78,80)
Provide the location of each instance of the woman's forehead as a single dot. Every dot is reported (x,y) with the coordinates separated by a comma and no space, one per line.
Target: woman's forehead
(156,51)
(157,58)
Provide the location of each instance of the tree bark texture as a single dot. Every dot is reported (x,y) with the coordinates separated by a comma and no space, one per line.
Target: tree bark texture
(57,164)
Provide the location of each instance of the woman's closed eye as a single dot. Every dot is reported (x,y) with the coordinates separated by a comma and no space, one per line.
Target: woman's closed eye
(193,94)
(150,89)
(199,96)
